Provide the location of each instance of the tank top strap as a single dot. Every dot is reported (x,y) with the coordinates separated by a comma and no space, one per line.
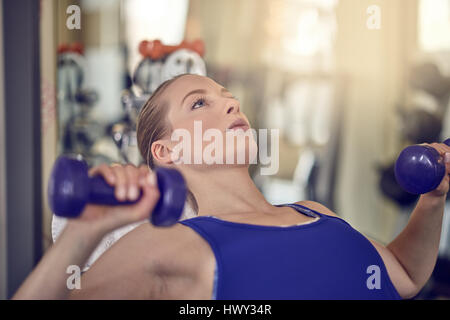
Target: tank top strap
(303,210)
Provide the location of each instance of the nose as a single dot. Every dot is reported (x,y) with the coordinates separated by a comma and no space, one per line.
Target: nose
(233,107)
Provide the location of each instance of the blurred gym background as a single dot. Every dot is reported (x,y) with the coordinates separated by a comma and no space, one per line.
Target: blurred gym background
(349,84)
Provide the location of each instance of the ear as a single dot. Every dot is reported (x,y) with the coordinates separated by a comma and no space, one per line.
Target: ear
(161,152)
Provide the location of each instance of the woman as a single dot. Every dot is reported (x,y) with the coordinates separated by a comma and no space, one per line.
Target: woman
(240,246)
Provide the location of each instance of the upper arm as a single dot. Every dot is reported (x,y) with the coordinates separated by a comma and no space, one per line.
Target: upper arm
(124,271)
(147,263)
(398,275)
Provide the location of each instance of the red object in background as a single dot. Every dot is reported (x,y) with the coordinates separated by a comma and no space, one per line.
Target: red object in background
(62,48)
(155,49)
(75,47)
(151,49)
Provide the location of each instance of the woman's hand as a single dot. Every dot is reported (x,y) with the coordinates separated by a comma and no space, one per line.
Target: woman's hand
(443,188)
(128,181)
(80,237)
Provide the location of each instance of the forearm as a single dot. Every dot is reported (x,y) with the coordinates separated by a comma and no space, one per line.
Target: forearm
(49,279)
(416,247)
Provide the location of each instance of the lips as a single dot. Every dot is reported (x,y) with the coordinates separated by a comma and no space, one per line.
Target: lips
(239,124)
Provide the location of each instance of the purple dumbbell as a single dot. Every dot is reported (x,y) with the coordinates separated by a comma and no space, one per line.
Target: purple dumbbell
(420,169)
(70,189)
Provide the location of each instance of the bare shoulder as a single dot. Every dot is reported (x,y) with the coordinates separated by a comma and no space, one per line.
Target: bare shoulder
(140,264)
(317,207)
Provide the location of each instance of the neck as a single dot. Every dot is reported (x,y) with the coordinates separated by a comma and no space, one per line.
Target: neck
(220,191)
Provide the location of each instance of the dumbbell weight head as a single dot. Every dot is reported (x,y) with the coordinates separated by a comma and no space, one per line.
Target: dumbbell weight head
(170,206)
(67,188)
(70,189)
(447,142)
(420,169)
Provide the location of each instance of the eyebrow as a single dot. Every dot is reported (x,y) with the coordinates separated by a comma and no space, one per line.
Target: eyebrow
(202,91)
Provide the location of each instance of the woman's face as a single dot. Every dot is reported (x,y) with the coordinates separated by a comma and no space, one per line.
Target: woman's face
(198,104)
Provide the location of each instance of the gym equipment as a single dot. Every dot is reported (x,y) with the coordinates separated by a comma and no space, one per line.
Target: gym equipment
(420,125)
(70,189)
(78,131)
(75,47)
(182,61)
(428,77)
(156,50)
(420,169)
(147,76)
(390,188)
(162,62)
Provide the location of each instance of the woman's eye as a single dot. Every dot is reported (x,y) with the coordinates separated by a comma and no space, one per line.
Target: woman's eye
(198,103)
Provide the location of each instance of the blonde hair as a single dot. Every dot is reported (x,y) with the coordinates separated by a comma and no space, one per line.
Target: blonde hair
(152,125)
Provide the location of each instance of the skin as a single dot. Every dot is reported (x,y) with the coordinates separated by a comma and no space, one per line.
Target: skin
(175,262)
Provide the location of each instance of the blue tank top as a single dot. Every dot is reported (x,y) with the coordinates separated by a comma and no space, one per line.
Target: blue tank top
(324,259)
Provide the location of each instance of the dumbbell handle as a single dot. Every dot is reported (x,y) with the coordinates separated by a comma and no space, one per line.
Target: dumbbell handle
(102,193)
(169,206)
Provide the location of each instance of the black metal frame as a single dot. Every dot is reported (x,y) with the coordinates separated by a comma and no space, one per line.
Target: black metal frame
(22,138)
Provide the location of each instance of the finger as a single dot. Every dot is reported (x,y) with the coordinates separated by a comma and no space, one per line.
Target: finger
(149,179)
(132,175)
(139,211)
(120,190)
(118,216)
(105,171)
(445,147)
(144,170)
(447,162)
(440,147)
(145,206)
